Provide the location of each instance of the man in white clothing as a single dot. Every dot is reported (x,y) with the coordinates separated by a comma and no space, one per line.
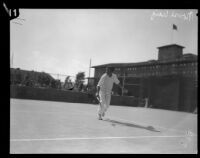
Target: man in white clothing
(104,89)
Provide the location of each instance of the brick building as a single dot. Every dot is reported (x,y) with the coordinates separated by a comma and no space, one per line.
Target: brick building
(169,82)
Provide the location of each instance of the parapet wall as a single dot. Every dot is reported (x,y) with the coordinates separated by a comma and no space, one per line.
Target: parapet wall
(49,94)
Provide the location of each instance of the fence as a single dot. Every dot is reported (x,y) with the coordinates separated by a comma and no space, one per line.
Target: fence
(62,77)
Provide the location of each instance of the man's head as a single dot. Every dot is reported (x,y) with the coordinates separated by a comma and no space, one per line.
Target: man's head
(110,70)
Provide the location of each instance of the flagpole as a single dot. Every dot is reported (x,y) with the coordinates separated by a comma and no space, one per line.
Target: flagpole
(172,34)
(12,60)
(89,68)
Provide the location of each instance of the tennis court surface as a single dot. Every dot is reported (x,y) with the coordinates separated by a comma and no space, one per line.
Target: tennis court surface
(59,127)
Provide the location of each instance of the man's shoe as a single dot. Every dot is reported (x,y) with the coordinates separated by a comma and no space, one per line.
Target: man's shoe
(100,118)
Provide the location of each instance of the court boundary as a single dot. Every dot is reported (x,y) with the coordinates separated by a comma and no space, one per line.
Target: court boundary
(96,138)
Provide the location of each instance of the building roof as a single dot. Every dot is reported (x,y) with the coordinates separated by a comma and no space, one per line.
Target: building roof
(190,54)
(153,62)
(146,63)
(171,45)
(118,64)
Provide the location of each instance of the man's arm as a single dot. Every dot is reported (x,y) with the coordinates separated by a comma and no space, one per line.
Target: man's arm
(98,89)
(117,82)
(120,85)
(100,83)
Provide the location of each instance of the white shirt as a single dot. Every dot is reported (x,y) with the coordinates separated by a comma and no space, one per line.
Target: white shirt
(106,83)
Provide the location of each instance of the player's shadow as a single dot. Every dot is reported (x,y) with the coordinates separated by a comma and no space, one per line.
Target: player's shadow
(150,128)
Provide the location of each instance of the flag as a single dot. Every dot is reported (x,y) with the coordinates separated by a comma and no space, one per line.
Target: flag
(174,27)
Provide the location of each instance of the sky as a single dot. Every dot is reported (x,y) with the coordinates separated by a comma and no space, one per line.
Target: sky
(62,41)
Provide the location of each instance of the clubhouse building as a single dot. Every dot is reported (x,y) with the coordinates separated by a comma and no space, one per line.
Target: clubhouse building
(170,82)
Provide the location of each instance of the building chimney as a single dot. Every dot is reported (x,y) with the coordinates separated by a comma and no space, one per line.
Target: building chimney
(170,52)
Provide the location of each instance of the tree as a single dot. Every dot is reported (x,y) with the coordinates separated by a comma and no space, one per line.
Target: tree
(58,84)
(80,77)
(27,80)
(53,83)
(18,78)
(40,79)
(44,79)
(68,83)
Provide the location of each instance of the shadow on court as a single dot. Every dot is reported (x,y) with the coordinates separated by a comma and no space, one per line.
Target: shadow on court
(150,128)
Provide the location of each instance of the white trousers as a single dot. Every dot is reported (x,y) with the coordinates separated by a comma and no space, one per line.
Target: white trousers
(104,102)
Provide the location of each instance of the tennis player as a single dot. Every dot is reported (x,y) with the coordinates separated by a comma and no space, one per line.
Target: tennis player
(104,89)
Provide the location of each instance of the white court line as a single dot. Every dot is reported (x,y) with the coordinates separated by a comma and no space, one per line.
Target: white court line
(95,138)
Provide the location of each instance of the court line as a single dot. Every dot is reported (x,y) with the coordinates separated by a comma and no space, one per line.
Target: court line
(95,138)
